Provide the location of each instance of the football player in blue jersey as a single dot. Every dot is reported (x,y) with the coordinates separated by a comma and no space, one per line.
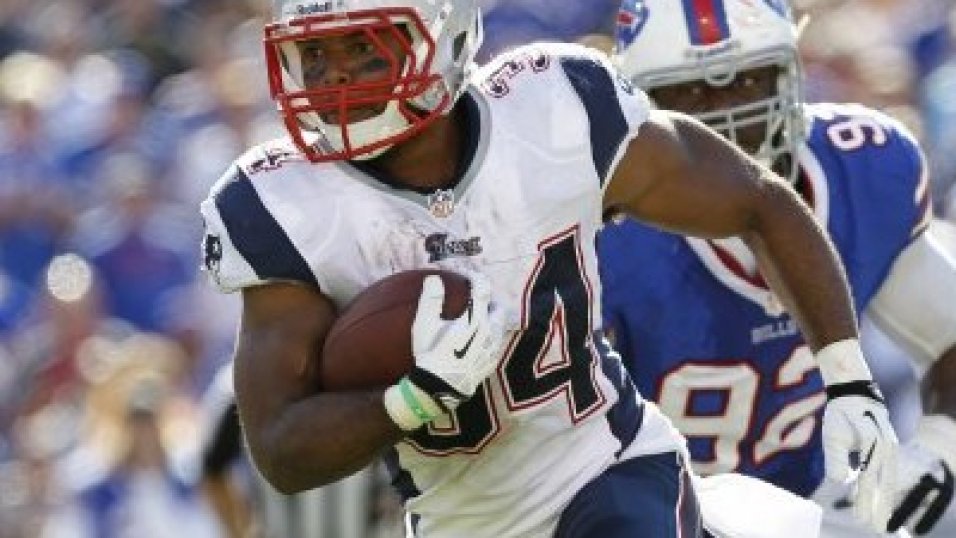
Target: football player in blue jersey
(516,420)
(697,325)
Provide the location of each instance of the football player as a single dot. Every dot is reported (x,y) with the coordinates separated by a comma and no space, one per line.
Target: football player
(699,328)
(517,420)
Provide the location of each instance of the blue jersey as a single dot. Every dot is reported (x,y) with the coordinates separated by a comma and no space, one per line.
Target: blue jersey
(702,334)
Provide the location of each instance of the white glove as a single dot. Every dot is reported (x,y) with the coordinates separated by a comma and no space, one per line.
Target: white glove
(924,470)
(452,357)
(858,428)
(858,440)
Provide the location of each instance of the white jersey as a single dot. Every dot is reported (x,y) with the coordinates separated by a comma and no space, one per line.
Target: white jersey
(547,125)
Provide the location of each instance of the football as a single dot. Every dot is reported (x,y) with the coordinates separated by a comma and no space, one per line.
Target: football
(370,343)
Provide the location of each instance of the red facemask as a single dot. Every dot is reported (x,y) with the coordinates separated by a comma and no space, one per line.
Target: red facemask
(408,76)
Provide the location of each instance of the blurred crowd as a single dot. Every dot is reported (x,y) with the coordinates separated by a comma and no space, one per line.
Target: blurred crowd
(116,116)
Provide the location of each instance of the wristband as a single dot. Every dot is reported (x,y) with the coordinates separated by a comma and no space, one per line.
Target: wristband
(843,362)
(412,401)
(866,389)
(408,406)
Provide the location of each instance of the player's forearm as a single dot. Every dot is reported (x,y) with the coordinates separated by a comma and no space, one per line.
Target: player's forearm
(801,265)
(938,394)
(323,438)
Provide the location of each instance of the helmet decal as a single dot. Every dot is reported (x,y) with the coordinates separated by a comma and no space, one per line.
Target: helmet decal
(630,21)
(706,21)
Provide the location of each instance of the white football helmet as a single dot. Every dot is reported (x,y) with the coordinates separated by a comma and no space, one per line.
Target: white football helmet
(439,39)
(666,42)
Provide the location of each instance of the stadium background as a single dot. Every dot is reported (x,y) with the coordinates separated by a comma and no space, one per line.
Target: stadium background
(115,118)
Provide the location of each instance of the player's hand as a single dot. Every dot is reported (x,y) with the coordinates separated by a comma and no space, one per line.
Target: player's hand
(452,357)
(924,470)
(856,427)
(858,440)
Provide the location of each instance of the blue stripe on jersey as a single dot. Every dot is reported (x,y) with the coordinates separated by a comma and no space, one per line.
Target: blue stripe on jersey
(627,414)
(598,94)
(256,234)
(401,479)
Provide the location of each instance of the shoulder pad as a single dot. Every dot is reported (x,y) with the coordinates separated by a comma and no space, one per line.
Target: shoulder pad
(244,245)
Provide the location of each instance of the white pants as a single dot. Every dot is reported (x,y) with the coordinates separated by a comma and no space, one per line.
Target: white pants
(738,506)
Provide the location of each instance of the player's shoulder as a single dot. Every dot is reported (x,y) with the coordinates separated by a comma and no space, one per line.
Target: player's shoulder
(874,171)
(561,95)
(253,216)
(270,158)
(541,56)
(540,69)
(859,133)
(829,113)
(273,174)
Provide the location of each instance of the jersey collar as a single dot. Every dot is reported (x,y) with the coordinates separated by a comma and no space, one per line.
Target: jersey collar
(476,144)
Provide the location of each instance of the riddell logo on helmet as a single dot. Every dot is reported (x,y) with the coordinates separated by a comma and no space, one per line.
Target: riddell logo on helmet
(313,8)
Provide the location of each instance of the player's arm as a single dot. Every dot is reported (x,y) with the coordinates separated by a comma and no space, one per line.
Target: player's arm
(915,307)
(679,175)
(300,439)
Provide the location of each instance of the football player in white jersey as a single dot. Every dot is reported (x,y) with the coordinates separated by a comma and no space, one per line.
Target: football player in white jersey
(733,64)
(517,420)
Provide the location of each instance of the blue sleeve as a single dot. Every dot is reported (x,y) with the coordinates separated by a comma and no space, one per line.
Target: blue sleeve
(879,197)
(902,178)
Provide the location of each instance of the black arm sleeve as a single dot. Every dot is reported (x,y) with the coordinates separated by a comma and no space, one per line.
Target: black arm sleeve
(225,446)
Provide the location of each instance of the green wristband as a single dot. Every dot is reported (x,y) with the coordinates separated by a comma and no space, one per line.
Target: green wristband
(405,387)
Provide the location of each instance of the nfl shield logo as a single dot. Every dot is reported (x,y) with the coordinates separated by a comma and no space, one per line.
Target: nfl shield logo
(441,203)
(630,22)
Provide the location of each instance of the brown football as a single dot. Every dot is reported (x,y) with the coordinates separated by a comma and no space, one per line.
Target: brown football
(370,344)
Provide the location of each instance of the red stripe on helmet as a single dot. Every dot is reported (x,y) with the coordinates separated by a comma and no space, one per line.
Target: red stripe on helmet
(706,14)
